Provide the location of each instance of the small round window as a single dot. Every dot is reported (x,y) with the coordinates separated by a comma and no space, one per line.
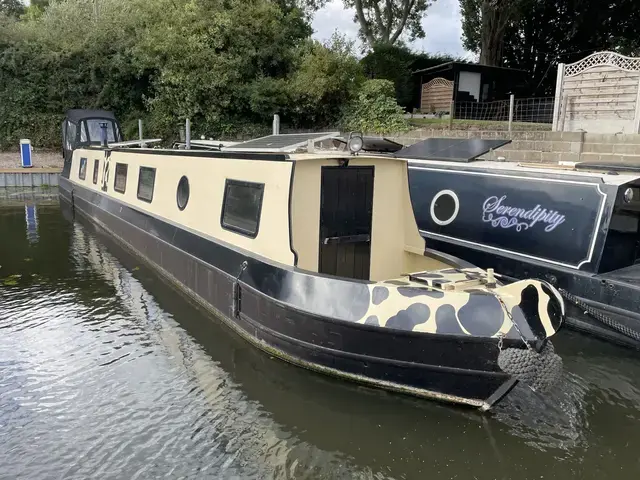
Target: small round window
(182,195)
(444,207)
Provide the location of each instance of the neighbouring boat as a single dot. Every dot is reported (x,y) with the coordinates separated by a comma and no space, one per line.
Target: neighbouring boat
(304,255)
(577,226)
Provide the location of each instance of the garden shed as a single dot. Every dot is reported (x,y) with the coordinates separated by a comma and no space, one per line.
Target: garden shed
(468,82)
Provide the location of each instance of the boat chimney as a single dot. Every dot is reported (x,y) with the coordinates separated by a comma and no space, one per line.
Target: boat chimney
(276,124)
(103,134)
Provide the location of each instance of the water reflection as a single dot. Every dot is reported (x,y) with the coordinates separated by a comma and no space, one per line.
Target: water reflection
(106,372)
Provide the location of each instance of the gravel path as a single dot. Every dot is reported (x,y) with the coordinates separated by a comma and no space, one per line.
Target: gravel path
(40,159)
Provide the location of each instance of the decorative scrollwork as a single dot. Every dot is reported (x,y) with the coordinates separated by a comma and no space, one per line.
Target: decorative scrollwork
(628,64)
(437,81)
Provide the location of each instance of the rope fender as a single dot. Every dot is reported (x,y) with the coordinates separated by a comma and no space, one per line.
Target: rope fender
(540,370)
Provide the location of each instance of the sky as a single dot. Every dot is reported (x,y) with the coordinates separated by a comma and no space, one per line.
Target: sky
(442,26)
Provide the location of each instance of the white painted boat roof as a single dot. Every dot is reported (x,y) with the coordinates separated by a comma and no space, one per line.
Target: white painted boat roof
(617,178)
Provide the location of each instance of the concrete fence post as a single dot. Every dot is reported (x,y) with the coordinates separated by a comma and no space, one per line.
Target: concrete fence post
(142,144)
(557,100)
(276,124)
(636,118)
(512,101)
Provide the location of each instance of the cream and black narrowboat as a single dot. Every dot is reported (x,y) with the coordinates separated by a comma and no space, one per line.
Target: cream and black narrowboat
(316,258)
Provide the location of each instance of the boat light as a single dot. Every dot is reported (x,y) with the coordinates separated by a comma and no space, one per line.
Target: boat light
(628,195)
(355,142)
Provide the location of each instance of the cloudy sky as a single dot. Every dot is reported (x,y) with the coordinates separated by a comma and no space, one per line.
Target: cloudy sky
(442,26)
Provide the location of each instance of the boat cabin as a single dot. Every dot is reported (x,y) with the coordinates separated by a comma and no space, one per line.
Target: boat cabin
(337,214)
(82,128)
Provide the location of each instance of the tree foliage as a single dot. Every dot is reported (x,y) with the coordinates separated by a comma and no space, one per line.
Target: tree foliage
(385,21)
(536,35)
(375,110)
(11,8)
(226,64)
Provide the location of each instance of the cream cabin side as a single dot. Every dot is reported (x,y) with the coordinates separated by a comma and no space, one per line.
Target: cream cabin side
(331,235)
(239,200)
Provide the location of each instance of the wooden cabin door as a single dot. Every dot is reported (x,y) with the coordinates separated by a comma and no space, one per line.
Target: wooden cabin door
(346,205)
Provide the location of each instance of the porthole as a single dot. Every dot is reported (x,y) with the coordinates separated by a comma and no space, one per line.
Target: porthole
(182,194)
(444,207)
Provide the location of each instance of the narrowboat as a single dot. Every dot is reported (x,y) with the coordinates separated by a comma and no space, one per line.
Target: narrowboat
(577,226)
(316,259)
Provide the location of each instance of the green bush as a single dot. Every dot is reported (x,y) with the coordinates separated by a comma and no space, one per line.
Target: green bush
(375,110)
(228,65)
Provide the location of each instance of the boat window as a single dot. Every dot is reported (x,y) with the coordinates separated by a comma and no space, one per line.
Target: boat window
(146,182)
(96,166)
(120,181)
(82,173)
(182,195)
(95,135)
(241,207)
(70,136)
(83,133)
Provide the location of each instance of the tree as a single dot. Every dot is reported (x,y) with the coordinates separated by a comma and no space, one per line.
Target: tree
(384,21)
(375,110)
(537,35)
(11,8)
(484,25)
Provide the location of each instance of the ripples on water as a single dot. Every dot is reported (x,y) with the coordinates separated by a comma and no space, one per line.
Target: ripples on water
(106,372)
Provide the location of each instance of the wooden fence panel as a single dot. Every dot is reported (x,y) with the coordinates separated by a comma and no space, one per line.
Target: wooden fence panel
(600,93)
(436,96)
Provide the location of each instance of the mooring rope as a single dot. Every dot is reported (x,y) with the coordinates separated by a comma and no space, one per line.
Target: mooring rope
(592,312)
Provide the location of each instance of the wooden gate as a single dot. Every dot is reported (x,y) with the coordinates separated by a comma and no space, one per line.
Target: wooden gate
(600,93)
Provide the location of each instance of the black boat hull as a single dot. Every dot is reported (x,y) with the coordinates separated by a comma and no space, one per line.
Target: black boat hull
(445,367)
(555,227)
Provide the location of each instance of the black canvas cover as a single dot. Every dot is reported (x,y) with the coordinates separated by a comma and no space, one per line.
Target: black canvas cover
(76,115)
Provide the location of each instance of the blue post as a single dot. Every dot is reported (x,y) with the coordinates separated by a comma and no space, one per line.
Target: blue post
(25,153)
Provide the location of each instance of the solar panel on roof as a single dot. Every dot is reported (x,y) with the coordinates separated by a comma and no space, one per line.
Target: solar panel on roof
(451,149)
(280,143)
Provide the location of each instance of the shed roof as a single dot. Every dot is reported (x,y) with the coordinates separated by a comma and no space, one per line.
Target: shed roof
(476,66)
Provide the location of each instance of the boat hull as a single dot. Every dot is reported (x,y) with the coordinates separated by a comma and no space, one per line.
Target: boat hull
(554,227)
(451,368)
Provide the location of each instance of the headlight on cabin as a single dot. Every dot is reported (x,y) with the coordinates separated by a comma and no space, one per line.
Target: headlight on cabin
(355,142)
(628,195)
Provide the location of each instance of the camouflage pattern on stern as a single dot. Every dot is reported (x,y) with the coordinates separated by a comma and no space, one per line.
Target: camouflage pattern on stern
(459,302)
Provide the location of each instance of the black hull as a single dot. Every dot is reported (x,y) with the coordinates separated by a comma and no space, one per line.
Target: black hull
(444,367)
(587,287)
(553,226)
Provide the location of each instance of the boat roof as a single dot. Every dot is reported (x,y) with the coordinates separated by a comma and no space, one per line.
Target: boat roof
(76,115)
(609,177)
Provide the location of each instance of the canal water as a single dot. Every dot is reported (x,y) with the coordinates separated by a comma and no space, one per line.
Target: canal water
(106,372)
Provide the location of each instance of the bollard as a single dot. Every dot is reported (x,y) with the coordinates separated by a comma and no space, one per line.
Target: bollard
(25,153)
(187,138)
(276,124)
